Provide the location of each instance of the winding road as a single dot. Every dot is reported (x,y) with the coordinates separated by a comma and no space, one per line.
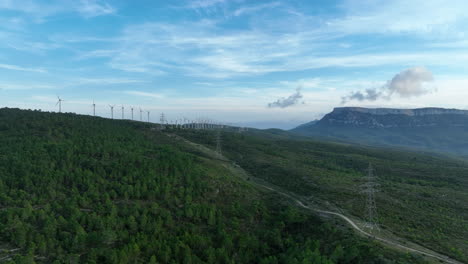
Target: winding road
(357,228)
(423,251)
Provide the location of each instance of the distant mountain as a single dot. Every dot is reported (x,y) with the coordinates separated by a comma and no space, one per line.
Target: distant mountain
(434,129)
(311,123)
(285,124)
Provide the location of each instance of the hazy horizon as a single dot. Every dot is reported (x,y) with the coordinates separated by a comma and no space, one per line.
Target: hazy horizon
(262,64)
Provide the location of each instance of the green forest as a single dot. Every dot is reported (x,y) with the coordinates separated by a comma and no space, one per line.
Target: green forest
(81,189)
(420,197)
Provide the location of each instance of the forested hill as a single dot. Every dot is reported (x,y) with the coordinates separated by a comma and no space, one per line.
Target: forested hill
(419,197)
(80,189)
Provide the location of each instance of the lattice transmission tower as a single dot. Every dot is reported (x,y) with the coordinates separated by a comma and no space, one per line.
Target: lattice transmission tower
(218,142)
(162,120)
(369,189)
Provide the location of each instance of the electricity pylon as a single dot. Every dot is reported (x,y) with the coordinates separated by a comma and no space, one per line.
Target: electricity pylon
(162,120)
(218,142)
(369,188)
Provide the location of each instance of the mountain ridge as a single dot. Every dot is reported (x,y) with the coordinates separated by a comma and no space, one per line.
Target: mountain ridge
(403,111)
(433,129)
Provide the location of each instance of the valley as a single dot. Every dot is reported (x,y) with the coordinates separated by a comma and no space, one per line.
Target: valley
(329,175)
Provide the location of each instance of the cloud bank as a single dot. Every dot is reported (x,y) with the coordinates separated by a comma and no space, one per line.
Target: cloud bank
(291,100)
(408,83)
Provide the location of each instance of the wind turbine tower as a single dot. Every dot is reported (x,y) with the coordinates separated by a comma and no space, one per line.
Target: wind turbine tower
(132,111)
(148,112)
(141,115)
(112,111)
(94,108)
(59,103)
(123,108)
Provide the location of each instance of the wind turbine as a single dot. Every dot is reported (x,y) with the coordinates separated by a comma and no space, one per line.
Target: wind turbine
(148,112)
(132,111)
(94,108)
(59,103)
(123,112)
(112,111)
(141,117)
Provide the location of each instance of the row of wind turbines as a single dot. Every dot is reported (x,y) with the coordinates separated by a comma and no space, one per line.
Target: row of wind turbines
(60,100)
(200,123)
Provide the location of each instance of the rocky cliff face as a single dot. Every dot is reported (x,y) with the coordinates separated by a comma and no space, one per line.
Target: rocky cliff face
(394,118)
(408,112)
(433,129)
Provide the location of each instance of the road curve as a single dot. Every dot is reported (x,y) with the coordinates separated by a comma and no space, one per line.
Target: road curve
(357,228)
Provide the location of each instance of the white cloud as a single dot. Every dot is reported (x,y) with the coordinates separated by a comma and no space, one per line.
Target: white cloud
(201,49)
(145,94)
(401,16)
(45,99)
(35,8)
(304,83)
(40,10)
(15,86)
(204,3)
(107,81)
(284,102)
(19,68)
(252,9)
(204,48)
(93,8)
(279,40)
(449,92)
(408,83)
(71,82)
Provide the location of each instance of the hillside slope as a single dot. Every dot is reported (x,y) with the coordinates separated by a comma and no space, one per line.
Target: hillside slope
(433,129)
(78,189)
(422,198)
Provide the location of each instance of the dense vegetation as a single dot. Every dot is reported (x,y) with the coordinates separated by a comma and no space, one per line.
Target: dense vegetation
(78,189)
(423,198)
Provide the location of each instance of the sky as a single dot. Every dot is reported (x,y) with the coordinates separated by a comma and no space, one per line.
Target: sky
(255,63)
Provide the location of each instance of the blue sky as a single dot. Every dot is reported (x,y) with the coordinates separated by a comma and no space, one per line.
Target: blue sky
(230,59)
